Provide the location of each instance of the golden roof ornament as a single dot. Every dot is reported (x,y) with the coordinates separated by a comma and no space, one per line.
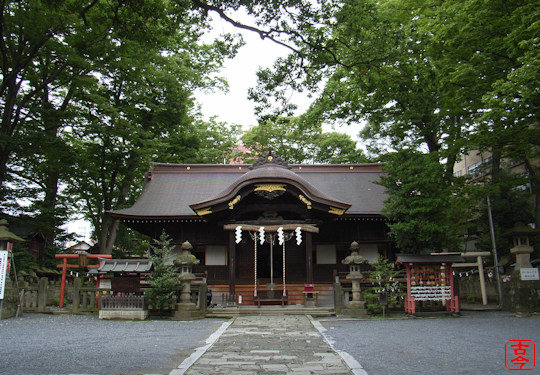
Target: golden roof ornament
(269,159)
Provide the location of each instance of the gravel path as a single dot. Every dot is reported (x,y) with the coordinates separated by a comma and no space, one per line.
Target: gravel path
(471,344)
(49,344)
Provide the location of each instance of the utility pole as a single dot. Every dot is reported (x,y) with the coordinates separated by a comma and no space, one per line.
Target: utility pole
(495,256)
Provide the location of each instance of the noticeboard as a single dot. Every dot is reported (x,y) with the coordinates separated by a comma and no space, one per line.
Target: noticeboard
(105,284)
(529,274)
(3,269)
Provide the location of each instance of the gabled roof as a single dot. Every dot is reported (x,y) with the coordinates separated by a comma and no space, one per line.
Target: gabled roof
(171,189)
(125,265)
(429,258)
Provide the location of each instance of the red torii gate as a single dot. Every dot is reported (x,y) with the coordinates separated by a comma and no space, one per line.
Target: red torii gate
(82,262)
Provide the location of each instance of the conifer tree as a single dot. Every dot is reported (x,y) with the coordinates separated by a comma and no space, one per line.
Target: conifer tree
(164,279)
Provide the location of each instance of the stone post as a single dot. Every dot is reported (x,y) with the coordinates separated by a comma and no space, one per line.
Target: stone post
(42,294)
(76,297)
(338,298)
(203,288)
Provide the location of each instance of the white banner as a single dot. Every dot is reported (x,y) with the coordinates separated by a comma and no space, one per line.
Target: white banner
(3,269)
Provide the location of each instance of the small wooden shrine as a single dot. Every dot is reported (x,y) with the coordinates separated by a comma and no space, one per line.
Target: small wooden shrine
(430,278)
(126,273)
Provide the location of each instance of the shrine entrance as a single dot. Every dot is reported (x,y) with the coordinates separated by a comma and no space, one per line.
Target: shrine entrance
(269,261)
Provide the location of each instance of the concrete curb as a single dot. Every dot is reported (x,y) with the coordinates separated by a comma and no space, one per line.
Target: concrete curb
(353,364)
(198,353)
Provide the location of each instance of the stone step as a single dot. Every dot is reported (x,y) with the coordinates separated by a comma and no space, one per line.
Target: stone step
(229,312)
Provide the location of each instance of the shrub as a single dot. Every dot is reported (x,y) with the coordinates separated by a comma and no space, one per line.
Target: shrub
(384,279)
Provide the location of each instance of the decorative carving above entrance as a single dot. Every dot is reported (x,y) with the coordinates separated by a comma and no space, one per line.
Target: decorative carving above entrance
(270,191)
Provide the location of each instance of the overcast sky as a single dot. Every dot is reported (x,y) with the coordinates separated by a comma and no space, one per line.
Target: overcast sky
(233,107)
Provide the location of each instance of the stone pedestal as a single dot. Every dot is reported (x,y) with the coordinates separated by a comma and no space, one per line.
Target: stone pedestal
(356,310)
(10,301)
(187,311)
(523,256)
(135,314)
(185,295)
(356,307)
(521,296)
(310,301)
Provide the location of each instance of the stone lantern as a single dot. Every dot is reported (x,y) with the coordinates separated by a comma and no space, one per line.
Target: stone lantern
(185,262)
(6,237)
(522,249)
(354,261)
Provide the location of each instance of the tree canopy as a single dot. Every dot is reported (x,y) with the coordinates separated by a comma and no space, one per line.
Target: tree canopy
(441,77)
(92,91)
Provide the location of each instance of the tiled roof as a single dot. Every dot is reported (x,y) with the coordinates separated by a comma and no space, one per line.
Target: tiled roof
(427,258)
(170,189)
(125,265)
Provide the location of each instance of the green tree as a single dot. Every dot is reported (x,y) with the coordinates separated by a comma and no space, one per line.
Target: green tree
(444,77)
(164,279)
(376,67)
(418,203)
(384,279)
(116,77)
(74,71)
(298,140)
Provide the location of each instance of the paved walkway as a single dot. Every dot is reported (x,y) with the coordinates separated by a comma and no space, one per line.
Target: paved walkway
(287,344)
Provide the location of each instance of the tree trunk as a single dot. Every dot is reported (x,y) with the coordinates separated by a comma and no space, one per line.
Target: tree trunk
(112,236)
(103,234)
(495,165)
(534,180)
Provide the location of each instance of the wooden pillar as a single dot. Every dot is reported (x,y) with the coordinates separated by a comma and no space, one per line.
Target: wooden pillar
(232,263)
(63,283)
(309,258)
(75,307)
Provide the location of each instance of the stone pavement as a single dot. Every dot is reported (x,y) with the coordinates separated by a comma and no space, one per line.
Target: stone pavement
(286,344)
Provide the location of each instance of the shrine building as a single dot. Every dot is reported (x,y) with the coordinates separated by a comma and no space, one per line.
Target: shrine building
(220,209)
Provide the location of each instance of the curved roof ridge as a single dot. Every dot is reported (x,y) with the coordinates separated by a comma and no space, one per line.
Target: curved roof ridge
(271,173)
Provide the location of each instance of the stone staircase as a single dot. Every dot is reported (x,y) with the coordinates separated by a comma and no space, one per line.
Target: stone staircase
(233,311)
